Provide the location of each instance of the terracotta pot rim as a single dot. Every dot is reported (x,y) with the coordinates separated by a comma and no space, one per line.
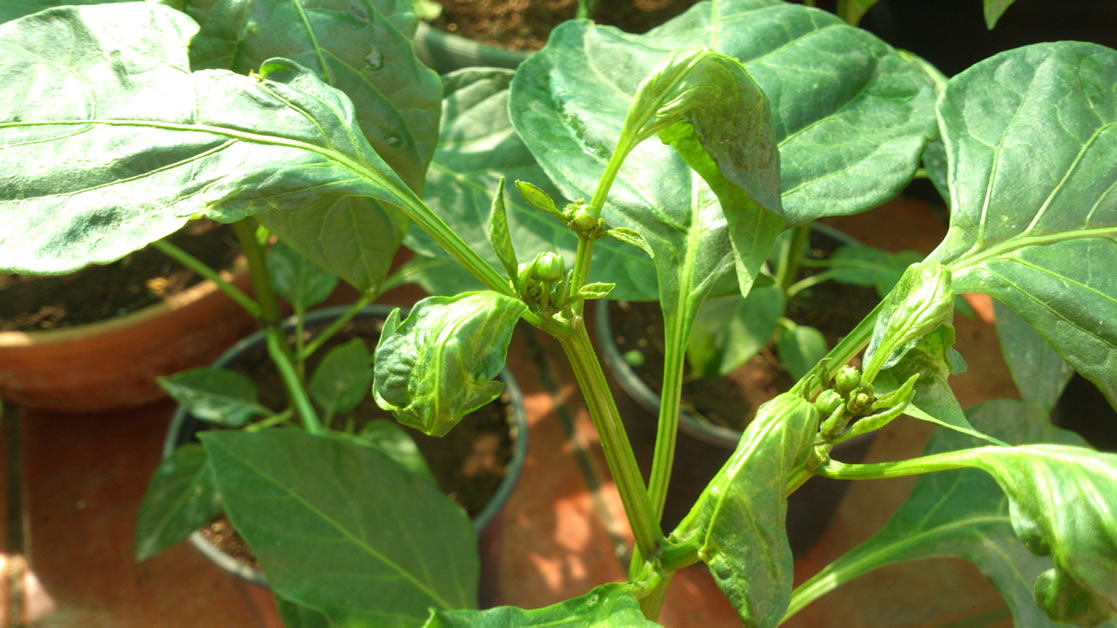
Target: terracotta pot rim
(173,303)
(517,424)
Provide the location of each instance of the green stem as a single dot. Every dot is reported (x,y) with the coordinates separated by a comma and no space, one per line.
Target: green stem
(605,183)
(272,421)
(334,327)
(245,230)
(674,364)
(200,267)
(581,266)
(901,468)
(614,440)
(279,352)
(808,282)
(791,255)
(842,352)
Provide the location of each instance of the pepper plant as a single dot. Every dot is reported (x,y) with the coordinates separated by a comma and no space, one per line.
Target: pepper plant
(696,145)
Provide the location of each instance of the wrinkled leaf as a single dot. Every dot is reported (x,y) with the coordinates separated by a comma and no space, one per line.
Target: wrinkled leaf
(1036,229)
(962,514)
(607,605)
(477,147)
(302,282)
(215,395)
(343,529)
(800,348)
(921,302)
(739,522)
(181,497)
(1037,370)
(126,144)
(342,378)
(438,365)
(730,330)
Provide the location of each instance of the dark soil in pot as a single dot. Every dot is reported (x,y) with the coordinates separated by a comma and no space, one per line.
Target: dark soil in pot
(95,293)
(469,464)
(523,25)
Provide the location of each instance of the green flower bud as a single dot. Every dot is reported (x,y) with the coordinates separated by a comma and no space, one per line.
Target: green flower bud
(827,402)
(847,379)
(549,266)
(861,400)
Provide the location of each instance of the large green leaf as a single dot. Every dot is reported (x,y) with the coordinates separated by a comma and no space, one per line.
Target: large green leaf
(1039,373)
(739,521)
(341,528)
(606,606)
(477,146)
(438,364)
(961,514)
(214,394)
(181,497)
(302,282)
(126,144)
(1038,229)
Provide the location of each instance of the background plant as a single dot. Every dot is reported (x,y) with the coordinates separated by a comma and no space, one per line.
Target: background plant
(703,204)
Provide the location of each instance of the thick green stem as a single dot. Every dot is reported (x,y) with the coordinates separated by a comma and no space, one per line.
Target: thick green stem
(200,267)
(278,350)
(581,266)
(614,440)
(667,428)
(605,183)
(334,327)
(245,230)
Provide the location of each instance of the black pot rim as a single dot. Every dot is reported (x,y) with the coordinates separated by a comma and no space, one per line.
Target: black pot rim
(517,425)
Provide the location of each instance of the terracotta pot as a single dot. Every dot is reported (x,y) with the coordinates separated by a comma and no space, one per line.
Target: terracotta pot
(113,364)
(184,426)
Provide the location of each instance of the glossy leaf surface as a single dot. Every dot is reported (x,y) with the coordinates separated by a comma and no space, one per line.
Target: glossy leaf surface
(438,364)
(302,282)
(126,144)
(963,514)
(477,146)
(341,528)
(605,606)
(181,497)
(739,520)
(342,378)
(921,302)
(1038,230)
(215,395)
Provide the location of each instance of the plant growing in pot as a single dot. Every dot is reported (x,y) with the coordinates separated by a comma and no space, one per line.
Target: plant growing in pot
(731,129)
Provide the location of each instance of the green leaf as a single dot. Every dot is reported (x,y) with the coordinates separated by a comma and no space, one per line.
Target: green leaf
(498,234)
(1039,373)
(294,614)
(342,378)
(933,401)
(605,606)
(730,330)
(438,365)
(962,514)
(1046,249)
(921,302)
(168,144)
(739,521)
(13,9)
(800,348)
(181,497)
(215,395)
(343,529)
(477,147)
(302,282)
(868,266)
(993,10)
(394,442)
(440,275)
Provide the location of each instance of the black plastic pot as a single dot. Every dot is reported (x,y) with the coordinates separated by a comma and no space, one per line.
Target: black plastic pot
(184,426)
(699,457)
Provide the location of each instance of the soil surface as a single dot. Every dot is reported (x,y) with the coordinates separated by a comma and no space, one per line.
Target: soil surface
(526,24)
(468,464)
(97,293)
(731,401)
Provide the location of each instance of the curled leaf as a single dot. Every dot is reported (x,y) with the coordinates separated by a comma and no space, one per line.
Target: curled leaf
(919,303)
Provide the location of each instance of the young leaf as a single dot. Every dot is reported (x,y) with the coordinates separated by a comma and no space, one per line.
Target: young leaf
(438,365)
(738,523)
(730,330)
(960,514)
(1036,230)
(604,606)
(342,378)
(800,348)
(993,10)
(498,234)
(920,303)
(477,147)
(171,144)
(1038,371)
(181,497)
(343,529)
(302,282)
(215,395)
